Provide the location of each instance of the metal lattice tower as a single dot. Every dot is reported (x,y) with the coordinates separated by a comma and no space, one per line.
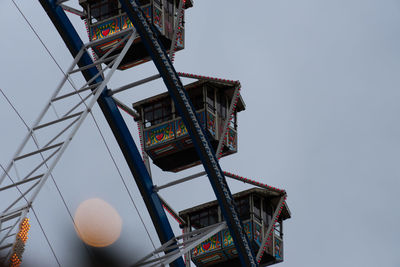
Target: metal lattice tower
(49,137)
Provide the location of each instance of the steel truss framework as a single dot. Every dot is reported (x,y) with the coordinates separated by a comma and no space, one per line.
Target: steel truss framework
(96,81)
(175,248)
(49,137)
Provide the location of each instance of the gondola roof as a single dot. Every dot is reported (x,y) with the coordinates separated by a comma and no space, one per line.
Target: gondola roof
(270,194)
(228,86)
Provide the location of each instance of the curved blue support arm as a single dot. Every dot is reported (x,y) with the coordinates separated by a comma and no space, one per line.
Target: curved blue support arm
(200,141)
(117,125)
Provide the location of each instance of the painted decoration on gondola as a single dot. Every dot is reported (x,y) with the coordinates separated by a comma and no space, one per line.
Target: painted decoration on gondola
(247,228)
(232,139)
(105,29)
(211,123)
(278,253)
(159,134)
(257,234)
(180,128)
(147,12)
(157,19)
(211,244)
(227,239)
(200,115)
(179,37)
(126,22)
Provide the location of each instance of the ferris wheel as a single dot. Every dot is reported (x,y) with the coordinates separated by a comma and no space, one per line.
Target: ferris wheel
(190,125)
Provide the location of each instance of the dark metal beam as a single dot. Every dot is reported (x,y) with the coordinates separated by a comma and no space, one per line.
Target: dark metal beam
(206,154)
(116,123)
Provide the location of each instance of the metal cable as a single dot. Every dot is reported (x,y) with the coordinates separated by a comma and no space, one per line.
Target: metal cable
(122,179)
(37,35)
(45,236)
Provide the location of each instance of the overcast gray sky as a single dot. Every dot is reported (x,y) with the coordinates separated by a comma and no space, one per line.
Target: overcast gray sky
(321,82)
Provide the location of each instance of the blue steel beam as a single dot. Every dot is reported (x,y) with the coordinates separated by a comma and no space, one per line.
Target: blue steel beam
(185,108)
(117,125)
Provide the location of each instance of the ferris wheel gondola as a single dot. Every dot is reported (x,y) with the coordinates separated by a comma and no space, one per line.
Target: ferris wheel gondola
(107,18)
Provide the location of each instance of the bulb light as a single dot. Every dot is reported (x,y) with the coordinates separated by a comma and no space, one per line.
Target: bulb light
(19,246)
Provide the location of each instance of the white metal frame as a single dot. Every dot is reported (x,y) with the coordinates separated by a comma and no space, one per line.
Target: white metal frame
(12,215)
(179,246)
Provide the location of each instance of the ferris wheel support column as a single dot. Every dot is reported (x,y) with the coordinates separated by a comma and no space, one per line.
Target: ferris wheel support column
(117,125)
(200,141)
